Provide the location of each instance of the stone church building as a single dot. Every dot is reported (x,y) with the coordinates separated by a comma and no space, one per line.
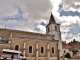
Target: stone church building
(35,46)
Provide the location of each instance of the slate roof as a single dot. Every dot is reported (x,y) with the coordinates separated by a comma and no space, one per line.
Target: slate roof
(52,20)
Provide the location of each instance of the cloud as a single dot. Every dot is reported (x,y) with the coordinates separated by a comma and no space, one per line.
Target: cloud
(24,14)
(75,30)
(69,27)
(69,13)
(66,12)
(40,10)
(73,5)
(34,15)
(76,37)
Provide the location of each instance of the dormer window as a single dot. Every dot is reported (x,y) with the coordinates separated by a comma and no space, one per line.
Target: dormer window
(55,28)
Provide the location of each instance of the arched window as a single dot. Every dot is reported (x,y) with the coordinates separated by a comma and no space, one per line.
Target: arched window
(42,50)
(56,28)
(30,49)
(0,38)
(52,50)
(48,29)
(16,47)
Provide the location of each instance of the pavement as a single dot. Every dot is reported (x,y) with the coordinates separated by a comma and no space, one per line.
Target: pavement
(73,59)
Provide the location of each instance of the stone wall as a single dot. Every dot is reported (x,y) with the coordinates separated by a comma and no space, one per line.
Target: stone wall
(20,42)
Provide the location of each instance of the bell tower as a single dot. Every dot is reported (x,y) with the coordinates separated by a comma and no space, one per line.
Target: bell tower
(53,28)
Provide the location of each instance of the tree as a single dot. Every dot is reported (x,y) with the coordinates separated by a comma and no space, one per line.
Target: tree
(67,55)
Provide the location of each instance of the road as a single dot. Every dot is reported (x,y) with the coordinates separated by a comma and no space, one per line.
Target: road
(73,59)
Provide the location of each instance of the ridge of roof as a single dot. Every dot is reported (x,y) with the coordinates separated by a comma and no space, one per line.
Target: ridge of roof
(24,31)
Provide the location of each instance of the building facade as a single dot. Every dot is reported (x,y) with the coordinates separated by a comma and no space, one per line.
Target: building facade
(73,48)
(35,46)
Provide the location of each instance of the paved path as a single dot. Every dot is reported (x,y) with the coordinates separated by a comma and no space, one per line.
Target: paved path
(73,59)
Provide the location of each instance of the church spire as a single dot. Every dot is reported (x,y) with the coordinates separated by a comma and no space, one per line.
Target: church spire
(52,20)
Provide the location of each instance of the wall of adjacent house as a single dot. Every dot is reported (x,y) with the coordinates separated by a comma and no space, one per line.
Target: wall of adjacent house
(68,51)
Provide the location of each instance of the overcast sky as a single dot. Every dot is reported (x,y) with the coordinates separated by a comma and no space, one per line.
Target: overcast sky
(33,16)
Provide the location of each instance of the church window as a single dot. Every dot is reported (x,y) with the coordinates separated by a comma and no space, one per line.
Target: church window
(0,38)
(56,28)
(48,29)
(42,49)
(16,47)
(30,49)
(52,50)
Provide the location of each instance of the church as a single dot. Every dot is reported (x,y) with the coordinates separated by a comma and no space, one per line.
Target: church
(35,46)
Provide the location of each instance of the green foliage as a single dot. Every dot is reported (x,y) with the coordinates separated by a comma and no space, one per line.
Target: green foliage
(67,55)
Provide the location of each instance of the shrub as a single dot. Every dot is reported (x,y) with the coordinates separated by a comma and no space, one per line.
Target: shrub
(68,55)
